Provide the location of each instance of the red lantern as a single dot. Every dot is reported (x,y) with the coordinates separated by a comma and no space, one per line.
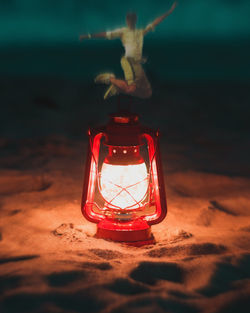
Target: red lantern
(123,189)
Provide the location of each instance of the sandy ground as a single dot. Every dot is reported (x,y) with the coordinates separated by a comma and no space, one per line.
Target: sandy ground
(50,261)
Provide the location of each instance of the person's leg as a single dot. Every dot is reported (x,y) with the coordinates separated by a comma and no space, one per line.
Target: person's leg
(111,91)
(127,66)
(143,89)
(127,85)
(123,85)
(136,82)
(104,78)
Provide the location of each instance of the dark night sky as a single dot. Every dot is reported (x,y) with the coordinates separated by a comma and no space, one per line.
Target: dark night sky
(201,40)
(62,20)
(198,61)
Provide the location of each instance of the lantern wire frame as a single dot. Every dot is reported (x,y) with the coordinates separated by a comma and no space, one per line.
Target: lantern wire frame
(113,209)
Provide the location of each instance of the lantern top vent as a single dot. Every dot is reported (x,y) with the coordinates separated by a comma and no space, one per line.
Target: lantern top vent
(123,129)
(124,118)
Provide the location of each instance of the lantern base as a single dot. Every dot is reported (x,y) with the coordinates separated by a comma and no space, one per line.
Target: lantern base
(136,232)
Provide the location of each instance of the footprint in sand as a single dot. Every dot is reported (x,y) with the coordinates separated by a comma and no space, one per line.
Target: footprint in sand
(69,232)
(107,254)
(151,272)
(227,275)
(62,279)
(14,182)
(18,258)
(9,283)
(84,300)
(125,286)
(155,304)
(187,250)
(104,266)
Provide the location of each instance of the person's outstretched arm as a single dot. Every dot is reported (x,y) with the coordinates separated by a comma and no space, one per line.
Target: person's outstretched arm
(89,36)
(158,20)
(117,33)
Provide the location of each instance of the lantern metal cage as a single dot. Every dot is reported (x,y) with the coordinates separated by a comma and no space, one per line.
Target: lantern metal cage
(123,190)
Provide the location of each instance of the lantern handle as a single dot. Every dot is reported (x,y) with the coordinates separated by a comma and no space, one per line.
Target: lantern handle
(91,174)
(152,138)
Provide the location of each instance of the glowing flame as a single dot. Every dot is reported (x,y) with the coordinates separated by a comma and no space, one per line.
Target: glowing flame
(124,186)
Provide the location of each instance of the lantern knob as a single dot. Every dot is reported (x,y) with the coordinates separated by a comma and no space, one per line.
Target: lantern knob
(124,118)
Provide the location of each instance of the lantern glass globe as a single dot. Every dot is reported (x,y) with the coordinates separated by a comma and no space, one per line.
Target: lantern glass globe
(123,186)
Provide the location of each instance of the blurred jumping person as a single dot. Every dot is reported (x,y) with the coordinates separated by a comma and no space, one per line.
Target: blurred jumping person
(135,82)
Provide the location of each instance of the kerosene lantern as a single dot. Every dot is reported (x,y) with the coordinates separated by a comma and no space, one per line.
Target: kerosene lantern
(123,189)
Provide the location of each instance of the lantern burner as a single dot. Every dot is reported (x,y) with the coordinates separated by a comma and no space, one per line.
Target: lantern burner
(136,232)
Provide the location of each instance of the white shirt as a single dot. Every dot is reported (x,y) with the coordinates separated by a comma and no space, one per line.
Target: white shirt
(132,40)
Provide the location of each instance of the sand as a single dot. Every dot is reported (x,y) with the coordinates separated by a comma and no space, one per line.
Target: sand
(51,262)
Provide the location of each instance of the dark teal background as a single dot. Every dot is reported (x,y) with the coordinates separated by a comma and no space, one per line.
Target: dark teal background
(62,20)
(198,65)
(202,39)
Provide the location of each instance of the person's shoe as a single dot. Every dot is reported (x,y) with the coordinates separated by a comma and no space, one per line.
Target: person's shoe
(111,91)
(104,78)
